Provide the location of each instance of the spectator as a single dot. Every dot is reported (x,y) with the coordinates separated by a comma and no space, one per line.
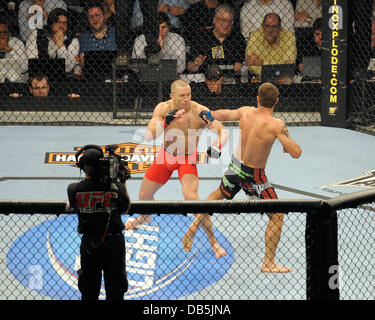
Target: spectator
(12,50)
(253,12)
(307,11)
(100,37)
(198,17)
(172,45)
(39,87)
(221,45)
(213,77)
(270,44)
(312,49)
(174,9)
(55,40)
(33,14)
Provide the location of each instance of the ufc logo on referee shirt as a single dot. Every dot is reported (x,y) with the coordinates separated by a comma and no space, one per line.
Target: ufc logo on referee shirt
(95,201)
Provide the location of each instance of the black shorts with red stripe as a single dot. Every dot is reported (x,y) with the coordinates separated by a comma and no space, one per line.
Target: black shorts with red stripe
(251,180)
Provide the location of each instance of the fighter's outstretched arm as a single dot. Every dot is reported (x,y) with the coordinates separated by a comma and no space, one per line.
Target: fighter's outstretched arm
(226,114)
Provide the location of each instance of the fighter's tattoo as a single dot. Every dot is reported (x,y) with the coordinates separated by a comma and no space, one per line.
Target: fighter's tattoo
(284,130)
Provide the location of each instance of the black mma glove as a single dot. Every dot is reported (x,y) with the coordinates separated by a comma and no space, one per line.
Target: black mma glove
(214,151)
(169,117)
(206,116)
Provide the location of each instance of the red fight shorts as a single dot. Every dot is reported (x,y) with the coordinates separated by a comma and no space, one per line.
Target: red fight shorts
(165,163)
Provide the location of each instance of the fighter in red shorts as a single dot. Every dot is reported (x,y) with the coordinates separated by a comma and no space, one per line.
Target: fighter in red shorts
(179,119)
(259,130)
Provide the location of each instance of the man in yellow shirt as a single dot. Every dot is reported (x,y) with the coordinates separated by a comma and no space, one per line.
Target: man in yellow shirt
(270,44)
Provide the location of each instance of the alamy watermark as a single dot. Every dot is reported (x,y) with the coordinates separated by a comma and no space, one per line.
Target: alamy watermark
(35,17)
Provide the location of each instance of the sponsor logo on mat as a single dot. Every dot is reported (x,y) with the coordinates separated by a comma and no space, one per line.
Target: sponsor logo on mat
(139,156)
(46,259)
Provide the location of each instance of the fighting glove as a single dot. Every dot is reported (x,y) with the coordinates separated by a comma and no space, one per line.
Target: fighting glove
(214,151)
(169,118)
(206,116)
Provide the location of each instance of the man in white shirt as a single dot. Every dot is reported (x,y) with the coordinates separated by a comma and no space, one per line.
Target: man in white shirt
(172,45)
(253,11)
(60,42)
(13,51)
(33,14)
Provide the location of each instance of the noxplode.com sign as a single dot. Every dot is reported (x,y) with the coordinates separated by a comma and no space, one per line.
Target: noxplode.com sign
(334,63)
(46,259)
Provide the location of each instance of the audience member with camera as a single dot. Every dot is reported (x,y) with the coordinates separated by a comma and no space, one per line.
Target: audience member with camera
(99,201)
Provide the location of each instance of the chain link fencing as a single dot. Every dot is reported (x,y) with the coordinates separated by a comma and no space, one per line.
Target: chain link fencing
(329,252)
(39,251)
(361,65)
(356,274)
(41,260)
(88,81)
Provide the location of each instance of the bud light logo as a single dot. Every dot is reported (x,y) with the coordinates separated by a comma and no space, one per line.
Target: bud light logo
(46,259)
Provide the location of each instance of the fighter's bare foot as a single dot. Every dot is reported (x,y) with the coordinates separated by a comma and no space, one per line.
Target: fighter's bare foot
(133,224)
(187,240)
(275,268)
(219,251)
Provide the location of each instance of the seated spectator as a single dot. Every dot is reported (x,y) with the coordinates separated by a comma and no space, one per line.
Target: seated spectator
(311,48)
(33,14)
(100,37)
(307,11)
(12,51)
(39,87)
(215,93)
(213,77)
(54,41)
(221,46)
(270,44)
(172,45)
(198,17)
(253,11)
(174,9)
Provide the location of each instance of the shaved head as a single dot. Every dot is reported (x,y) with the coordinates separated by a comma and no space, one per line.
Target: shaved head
(178,84)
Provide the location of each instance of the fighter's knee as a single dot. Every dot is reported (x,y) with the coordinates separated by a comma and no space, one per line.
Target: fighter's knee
(191,196)
(142,195)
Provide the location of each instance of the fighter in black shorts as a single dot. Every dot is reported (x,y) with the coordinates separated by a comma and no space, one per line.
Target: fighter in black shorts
(252,181)
(259,130)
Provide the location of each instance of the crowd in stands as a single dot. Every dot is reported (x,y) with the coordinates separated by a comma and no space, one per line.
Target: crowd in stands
(197,33)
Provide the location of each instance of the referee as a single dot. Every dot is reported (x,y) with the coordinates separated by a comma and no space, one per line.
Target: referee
(99,207)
